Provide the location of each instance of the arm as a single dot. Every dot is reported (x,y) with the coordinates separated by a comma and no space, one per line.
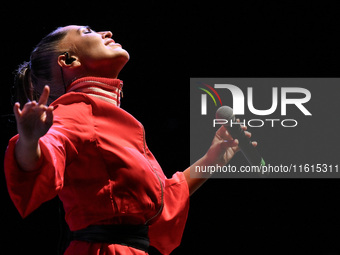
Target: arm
(221,151)
(33,122)
(35,160)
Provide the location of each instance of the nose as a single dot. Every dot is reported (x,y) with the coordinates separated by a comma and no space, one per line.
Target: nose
(106,34)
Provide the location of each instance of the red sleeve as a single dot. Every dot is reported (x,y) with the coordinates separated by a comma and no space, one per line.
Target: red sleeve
(166,233)
(28,190)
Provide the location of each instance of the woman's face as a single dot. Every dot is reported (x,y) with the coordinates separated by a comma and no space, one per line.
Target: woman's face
(96,51)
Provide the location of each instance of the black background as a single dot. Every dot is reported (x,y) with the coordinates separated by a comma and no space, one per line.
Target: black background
(169,43)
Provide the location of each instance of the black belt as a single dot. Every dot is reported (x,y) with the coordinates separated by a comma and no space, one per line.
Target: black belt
(135,236)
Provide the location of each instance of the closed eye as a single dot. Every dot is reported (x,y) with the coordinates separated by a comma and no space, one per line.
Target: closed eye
(87,30)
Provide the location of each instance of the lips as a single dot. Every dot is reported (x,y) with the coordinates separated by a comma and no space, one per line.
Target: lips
(111,42)
(108,41)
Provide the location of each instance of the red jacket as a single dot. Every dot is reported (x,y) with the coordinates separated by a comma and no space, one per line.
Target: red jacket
(96,159)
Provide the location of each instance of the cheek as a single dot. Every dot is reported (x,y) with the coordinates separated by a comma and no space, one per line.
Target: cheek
(88,46)
(93,49)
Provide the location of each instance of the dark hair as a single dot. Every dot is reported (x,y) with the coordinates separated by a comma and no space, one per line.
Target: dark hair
(32,76)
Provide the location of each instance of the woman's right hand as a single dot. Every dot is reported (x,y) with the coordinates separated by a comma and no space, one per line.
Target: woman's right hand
(33,122)
(35,119)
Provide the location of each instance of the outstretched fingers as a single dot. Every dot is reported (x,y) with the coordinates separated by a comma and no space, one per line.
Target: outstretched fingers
(34,116)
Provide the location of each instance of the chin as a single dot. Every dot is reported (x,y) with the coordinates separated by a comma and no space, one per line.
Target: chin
(120,55)
(120,60)
(125,54)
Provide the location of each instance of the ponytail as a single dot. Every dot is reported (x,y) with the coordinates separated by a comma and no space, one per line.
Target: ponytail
(23,87)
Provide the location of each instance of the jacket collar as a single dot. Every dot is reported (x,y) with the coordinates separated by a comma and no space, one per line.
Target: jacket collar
(107,89)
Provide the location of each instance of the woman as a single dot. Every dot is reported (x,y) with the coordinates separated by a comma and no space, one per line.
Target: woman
(91,153)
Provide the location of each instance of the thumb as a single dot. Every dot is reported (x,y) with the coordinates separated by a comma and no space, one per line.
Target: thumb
(17,111)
